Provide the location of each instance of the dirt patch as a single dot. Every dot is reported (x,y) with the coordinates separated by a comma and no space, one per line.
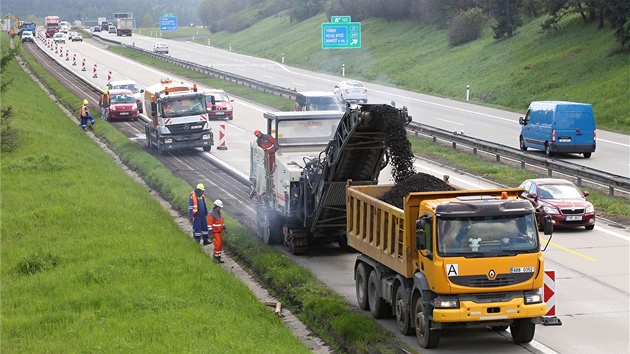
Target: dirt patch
(420,182)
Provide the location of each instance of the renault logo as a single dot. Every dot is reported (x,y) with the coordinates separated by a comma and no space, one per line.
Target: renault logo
(186,127)
(492,274)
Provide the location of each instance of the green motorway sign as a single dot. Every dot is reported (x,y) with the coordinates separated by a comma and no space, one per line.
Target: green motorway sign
(341,35)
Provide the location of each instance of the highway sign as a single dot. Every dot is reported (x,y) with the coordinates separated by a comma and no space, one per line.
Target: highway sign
(340,19)
(168,23)
(341,35)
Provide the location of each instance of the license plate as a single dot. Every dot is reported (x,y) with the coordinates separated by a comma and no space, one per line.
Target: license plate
(565,140)
(522,270)
(219,113)
(574,217)
(124,113)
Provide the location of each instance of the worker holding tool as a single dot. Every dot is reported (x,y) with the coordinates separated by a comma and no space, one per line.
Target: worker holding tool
(198,214)
(216,222)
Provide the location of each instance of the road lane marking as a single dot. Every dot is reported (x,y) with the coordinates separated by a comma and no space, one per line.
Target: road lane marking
(570,250)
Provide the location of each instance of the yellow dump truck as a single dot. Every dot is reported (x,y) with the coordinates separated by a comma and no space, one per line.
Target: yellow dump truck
(448,260)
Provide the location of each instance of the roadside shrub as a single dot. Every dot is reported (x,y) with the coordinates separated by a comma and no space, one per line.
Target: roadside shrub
(466,26)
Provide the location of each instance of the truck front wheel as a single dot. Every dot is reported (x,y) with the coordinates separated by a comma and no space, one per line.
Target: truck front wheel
(523,330)
(362,286)
(378,307)
(403,320)
(427,338)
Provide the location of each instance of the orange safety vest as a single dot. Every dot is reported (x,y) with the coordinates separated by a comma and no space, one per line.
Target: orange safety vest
(217,225)
(84,110)
(195,206)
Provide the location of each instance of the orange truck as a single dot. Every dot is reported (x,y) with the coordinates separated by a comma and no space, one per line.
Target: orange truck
(448,260)
(178,117)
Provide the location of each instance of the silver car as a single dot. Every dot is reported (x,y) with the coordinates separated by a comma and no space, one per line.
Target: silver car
(160,48)
(351,91)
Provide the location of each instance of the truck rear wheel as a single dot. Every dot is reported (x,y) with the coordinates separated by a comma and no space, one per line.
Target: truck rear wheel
(403,320)
(360,276)
(378,307)
(427,338)
(523,330)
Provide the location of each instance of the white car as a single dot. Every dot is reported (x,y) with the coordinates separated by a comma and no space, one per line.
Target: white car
(131,86)
(160,48)
(351,91)
(27,36)
(59,38)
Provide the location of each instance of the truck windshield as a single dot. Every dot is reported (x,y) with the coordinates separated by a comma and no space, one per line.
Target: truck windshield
(306,132)
(486,236)
(183,107)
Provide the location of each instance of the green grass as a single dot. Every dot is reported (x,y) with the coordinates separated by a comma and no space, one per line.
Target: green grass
(92,263)
(570,64)
(105,271)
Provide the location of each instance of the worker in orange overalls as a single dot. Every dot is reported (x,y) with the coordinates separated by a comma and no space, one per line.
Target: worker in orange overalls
(217,224)
(268,144)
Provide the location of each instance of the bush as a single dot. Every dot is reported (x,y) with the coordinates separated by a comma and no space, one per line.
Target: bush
(466,26)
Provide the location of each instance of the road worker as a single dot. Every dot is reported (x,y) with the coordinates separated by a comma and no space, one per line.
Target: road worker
(268,144)
(216,222)
(85,115)
(198,214)
(104,103)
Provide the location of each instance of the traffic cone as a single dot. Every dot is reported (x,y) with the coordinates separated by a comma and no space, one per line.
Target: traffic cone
(95,75)
(83,69)
(222,138)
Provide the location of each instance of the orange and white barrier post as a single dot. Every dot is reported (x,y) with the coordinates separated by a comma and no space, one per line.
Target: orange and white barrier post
(95,75)
(83,69)
(549,296)
(222,138)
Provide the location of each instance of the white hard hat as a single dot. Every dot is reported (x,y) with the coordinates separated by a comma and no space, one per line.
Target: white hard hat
(218,203)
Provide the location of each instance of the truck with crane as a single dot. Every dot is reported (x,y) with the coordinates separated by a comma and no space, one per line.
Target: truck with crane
(178,117)
(51,25)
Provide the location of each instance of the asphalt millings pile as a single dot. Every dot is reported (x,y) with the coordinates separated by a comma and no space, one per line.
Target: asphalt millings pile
(420,182)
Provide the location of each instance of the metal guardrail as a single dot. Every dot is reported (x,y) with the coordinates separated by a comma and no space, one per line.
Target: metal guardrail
(551,165)
(580,172)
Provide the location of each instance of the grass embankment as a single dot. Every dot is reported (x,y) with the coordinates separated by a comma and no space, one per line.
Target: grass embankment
(570,64)
(92,263)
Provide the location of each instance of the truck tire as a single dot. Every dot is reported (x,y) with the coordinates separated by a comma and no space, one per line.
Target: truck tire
(427,338)
(378,307)
(523,330)
(149,143)
(403,320)
(361,278)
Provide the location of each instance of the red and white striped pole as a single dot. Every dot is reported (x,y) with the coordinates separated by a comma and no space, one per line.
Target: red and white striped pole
(95,75)
(222,138)
(67,55)
(109,76)
(56,51)
(83,69)
(549,296)
(74,60)
(60,52)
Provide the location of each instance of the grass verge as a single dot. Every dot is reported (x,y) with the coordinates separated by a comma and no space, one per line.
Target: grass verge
(160,251)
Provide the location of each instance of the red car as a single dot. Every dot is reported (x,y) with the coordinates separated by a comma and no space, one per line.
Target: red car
(219,104)
(123,105)
(561,200)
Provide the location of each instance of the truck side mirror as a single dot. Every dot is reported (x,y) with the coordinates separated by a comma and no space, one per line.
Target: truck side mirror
(153,109)
(548,225)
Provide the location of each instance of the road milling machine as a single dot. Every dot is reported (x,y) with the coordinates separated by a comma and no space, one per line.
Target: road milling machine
(301,199)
